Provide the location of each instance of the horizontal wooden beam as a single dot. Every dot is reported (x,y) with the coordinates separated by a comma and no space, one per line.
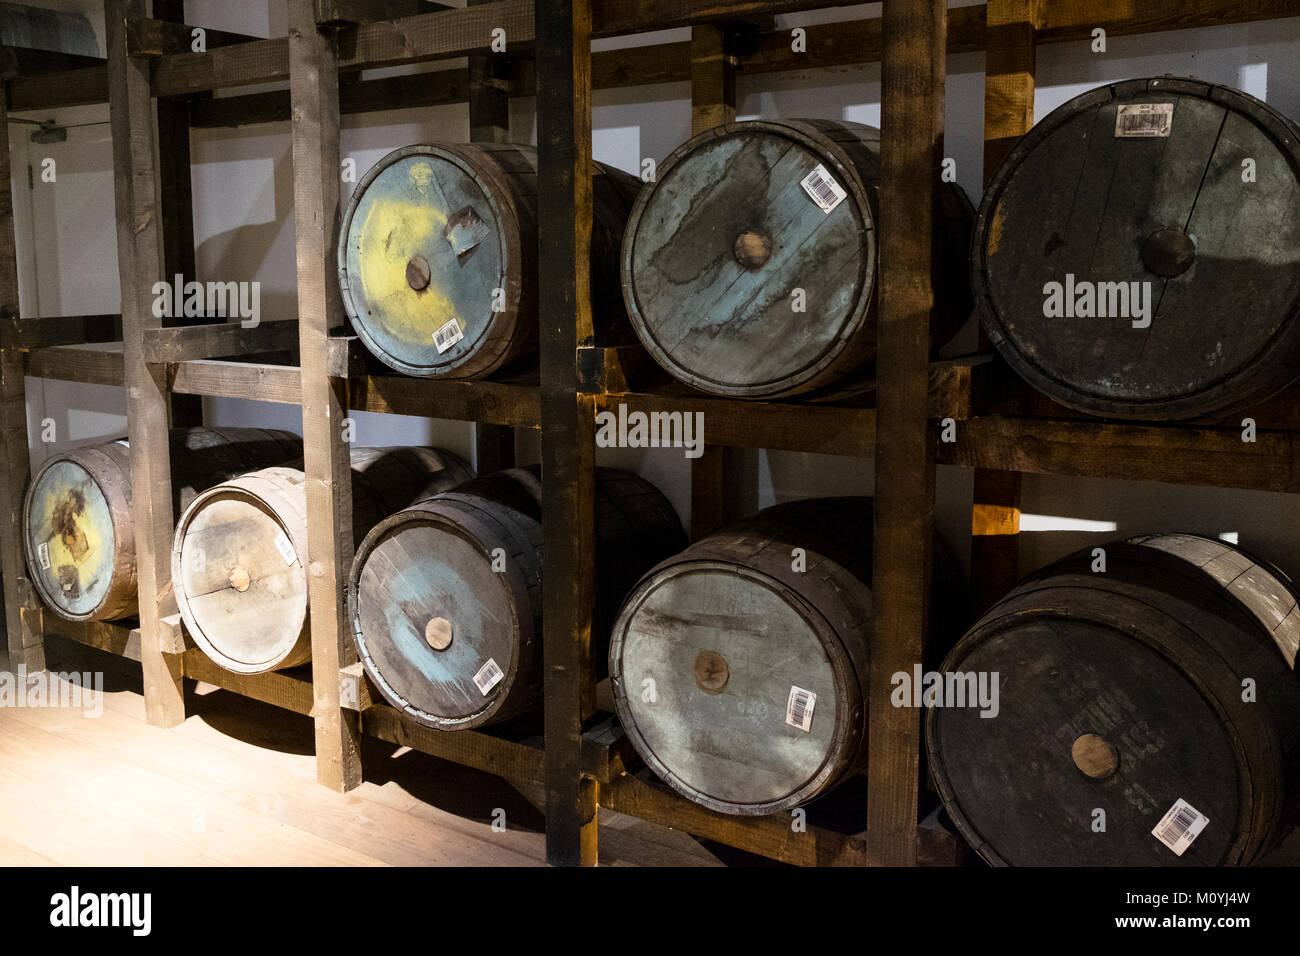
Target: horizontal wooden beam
(259,382)
(409,91)
(341,12)
(82,87)
(832,44)
(284,689)
(1166,453)
(70,363)
(59,330)
(162,37)
(493,403)
(517,761)
(24,61)
(217,340)
(111,636)
(769,836)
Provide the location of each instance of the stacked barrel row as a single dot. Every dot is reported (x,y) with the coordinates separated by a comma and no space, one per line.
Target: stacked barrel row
(1160,690)
(1135,256)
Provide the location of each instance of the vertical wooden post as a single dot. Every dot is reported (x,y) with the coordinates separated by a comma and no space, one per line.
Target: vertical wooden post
(314,95)
(23,640)
(568,420)
(713,103)
(1010,57)
(489,122)
(912,81)
(140,265)
(177,204)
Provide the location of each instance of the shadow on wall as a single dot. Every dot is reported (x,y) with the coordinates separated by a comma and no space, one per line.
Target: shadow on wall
(240,251)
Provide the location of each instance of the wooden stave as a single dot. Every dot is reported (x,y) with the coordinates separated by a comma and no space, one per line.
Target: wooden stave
(1053,593)
(507,174)
(200,456)
(518,529)
(1245,388)
(281,492)
(851,150)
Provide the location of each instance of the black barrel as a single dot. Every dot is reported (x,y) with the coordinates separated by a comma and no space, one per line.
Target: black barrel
(1137,255)
(1153,696)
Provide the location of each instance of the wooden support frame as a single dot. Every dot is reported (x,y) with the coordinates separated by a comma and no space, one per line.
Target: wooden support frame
(568,423)
(912,87)
(140,264)
(579,768)
(24,647)
(314,90)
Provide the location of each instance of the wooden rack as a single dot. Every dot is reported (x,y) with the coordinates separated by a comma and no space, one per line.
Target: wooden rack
(585,762)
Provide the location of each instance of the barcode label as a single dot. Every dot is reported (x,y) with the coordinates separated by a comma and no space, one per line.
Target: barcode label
(285,547)
(799,708)
(448,335)
(488,676)
(1180,826)
(43,555)
(823,188)
(1144,119)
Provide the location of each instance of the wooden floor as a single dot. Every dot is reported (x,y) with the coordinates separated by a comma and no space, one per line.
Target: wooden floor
(236,785)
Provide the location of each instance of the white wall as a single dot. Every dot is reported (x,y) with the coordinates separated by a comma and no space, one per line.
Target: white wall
(243,222)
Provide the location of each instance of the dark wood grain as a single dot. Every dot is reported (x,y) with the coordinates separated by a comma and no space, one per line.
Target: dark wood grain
(912,81)
(568,422)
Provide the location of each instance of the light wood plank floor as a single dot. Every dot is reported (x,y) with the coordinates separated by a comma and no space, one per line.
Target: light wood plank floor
(236,785)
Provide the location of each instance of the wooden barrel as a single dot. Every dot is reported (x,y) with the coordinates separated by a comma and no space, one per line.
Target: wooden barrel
(78,533)
(438,261)
(1153,693)
(739,282)
(446,604)
(240,553)
(1169,192)
(739,666)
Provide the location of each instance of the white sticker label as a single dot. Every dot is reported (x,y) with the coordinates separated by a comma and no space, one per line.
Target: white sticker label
(799,708)
(1180,826)
(285,547)
(822,187)
(43,555)
(1144,119)
(488,676)
(448,335)
(465,230)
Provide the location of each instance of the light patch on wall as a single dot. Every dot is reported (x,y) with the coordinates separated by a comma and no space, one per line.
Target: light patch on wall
(1031,522)
(1252,78)
(1228,536)
(618,146)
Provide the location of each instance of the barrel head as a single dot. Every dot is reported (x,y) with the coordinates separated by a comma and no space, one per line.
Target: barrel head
(1138,253)
(738,280)
(423,258)
(709,659)
(241,585)
(435,625)
(70,542)
(1024,786)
